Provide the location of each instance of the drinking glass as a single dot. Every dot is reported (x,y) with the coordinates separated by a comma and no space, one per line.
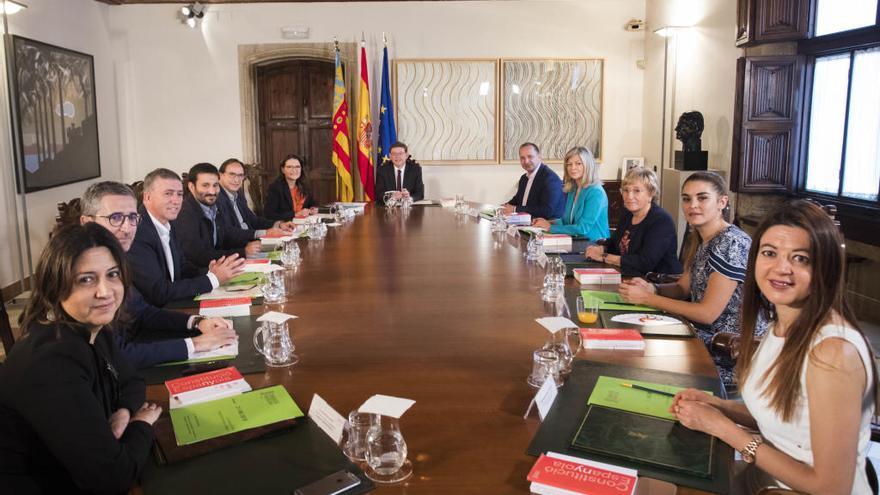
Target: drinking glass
(290,254)
(406,202)
(499,224)
(545,364)
(355,435)
(386,452)
(588,309)
(273,289)
(389,200)
(460,205)
(277,347)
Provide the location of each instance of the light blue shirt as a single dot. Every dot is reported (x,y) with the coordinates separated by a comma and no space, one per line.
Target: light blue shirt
(588,217)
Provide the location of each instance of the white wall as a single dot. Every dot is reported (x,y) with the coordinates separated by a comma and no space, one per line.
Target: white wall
(181,90)
(79,25)
(701,75)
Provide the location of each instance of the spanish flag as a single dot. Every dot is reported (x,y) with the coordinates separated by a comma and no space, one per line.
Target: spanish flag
(365,132)
(341,159)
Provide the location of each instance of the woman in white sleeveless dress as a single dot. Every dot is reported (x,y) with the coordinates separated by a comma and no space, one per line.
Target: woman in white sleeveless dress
(809,386)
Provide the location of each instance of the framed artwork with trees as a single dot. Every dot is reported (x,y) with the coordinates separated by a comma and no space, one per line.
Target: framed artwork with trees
(55,116)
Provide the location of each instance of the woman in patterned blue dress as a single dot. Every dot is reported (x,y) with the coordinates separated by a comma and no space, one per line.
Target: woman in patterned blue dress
(709,294)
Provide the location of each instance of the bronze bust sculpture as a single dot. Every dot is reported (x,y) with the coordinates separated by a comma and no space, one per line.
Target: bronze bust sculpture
(689,129)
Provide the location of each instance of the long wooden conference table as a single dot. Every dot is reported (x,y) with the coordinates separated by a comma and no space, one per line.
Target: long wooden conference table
(435,307)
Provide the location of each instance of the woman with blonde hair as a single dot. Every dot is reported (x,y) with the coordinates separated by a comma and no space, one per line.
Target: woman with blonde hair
(586,204)
(645,239)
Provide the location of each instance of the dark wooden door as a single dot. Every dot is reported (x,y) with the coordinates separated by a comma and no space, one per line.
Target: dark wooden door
(295,110)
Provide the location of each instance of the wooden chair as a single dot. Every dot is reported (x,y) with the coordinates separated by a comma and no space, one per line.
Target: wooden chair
(6,336)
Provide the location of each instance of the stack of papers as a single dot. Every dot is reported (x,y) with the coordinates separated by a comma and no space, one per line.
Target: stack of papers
(518,219)
(238,306)
(588,276)
(612,338)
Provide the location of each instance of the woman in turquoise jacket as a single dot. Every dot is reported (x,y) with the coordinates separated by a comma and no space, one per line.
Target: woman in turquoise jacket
(586,205)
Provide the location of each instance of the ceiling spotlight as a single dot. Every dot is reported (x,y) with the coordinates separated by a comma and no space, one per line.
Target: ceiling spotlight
(190,14)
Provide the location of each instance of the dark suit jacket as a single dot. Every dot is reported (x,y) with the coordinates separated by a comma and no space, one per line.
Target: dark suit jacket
(279,202)
(386,180)
(57,393)
(147,261)
(145,321)
(196,235)
(652,244)
(226,215)
(545,197)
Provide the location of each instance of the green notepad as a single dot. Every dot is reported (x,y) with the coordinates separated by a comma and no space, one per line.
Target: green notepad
(612,300)
(232,414)
(609,392)
(248,278)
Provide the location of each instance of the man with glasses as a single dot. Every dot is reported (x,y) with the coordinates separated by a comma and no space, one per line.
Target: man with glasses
(113,206)
(233,211)
(203,234)
(403,176)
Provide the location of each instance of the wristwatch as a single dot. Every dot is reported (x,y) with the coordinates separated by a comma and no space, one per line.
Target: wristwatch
(749,451)
(196,321)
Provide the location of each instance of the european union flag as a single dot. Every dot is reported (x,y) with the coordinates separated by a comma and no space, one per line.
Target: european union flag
(387,129)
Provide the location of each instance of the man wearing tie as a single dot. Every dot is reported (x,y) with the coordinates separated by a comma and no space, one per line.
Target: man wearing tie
(539,192)
(403,176)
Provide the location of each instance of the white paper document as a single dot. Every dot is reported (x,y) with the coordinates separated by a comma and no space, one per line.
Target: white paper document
(261,267)
(330,421)
(226,350)
(386,405)
(554,324)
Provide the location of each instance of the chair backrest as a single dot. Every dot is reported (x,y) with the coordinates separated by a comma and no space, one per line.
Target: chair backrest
(6,336)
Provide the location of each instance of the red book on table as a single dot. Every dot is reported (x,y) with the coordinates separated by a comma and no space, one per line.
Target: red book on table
(262,261)
(205,386)
(612,338)
(220,303)
(562,474)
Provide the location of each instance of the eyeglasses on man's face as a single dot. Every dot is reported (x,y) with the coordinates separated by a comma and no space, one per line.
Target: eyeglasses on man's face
(116,219)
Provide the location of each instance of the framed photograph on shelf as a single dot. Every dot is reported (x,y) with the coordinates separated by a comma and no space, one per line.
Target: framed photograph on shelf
(53,93)
(630,162)
(447,109)
(554,103)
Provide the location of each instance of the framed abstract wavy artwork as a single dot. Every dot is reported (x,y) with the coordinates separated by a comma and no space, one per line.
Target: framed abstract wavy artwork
(554,103)
(447,109)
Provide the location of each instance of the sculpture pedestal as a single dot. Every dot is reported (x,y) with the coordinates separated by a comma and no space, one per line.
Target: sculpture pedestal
(691,160)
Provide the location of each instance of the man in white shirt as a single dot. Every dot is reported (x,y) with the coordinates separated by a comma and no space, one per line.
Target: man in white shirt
(113,205)
(162,273)
(403,176)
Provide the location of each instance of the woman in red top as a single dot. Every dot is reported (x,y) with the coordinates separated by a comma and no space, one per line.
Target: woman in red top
(289,195)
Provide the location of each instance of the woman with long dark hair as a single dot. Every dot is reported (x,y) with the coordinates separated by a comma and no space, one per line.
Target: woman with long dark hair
(289,195)
(72,413)
(809,386)
(709,294)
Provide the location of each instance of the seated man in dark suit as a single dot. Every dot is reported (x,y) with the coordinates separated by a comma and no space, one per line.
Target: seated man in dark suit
(162,272)
(233,211)
(113,206)
(539,192)
(402,175)
(203,236)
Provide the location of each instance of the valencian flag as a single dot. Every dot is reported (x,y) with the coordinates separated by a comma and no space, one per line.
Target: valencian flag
(365,132)
(387,129)
(341,159)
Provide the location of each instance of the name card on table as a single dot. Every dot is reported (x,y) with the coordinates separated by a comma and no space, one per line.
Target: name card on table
(544,398)
(276,317)
(330,421)
(554,324)
(386,405)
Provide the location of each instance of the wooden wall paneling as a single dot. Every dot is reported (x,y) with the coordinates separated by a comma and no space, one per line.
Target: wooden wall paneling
(321,173)
(781,20)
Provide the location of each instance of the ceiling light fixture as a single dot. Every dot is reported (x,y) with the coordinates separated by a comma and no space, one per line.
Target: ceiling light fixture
(10,7)
(191,14)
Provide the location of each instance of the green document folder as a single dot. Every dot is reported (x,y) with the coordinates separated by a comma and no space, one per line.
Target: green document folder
(612,301)
(645,440)
(247,278)
(610,392)
(232,414)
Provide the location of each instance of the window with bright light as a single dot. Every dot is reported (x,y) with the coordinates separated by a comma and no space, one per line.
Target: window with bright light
(834,16)
(843,103)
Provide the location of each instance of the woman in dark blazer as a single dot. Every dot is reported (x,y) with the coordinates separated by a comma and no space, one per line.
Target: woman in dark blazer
(289,195)
(72,412)
(645,239)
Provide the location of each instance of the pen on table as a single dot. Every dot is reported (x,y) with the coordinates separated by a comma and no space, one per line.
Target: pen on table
(646,389)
